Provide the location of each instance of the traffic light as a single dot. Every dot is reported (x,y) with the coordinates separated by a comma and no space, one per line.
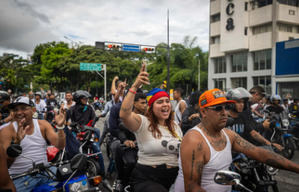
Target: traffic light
(148,49)
(113,46)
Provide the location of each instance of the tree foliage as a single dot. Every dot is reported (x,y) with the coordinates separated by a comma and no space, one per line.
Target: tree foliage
(54,65)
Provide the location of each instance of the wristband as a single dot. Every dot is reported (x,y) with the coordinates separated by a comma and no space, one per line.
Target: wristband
(132,91)
(59,128)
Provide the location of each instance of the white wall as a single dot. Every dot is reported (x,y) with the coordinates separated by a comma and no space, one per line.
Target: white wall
(240,18)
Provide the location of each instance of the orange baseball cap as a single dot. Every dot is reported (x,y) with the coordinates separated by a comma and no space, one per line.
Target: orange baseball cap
(213,97)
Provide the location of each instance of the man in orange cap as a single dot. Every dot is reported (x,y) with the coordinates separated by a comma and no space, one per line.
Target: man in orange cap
(206,148)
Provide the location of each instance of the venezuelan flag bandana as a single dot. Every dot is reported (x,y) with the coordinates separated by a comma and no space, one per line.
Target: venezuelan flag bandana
(155,94)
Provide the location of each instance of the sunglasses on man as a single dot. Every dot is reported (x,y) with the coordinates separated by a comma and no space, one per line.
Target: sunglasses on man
(219,108)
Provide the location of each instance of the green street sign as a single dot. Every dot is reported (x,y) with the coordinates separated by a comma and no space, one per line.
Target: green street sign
(90,67)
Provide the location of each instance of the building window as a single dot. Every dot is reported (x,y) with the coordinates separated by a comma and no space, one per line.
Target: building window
(220,83)
(239,62)
(289,2)
(285,27)
(263,81)
(215,18)
(262,60)
(239,82)
(245,30)
(260,3)
(220,65)
(262,29)
(215,40)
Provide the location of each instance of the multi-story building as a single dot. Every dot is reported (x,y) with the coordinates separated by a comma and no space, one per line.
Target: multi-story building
(243,38)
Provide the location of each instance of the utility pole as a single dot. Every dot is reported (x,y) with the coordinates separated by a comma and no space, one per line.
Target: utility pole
(198,86)
(168,52)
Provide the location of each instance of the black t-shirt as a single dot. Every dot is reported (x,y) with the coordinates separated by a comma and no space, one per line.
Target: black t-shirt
(4,112)
(51,104)
(275,108)
(240,125)
(81,114)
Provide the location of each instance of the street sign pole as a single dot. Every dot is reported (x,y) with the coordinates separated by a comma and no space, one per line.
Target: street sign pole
(105,83)
(96,67)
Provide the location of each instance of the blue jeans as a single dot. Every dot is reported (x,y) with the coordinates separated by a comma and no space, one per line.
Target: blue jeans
(96,148)
(29,182)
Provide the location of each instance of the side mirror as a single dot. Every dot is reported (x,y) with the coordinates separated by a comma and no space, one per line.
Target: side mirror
(224,177)
(14,150)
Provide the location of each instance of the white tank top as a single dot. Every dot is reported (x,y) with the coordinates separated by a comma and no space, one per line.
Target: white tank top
(34,147)
(219,160)
(177,112)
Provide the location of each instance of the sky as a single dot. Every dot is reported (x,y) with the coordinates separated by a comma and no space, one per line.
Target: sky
(26,23)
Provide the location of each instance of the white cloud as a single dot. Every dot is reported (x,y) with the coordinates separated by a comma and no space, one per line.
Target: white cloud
(26,23)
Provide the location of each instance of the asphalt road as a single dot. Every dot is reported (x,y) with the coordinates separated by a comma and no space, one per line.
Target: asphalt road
(287,181)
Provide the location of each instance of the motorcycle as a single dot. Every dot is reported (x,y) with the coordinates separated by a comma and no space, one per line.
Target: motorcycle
(88,139)
(256,176)
(71,175)
(294,123)
(281,133)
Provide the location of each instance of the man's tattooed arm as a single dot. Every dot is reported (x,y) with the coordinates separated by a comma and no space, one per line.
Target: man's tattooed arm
(259,138)
(193,163)
(263,155)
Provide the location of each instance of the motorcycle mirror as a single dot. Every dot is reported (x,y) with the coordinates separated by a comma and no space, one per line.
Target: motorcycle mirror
(79,162)
(224,177)
(14,150)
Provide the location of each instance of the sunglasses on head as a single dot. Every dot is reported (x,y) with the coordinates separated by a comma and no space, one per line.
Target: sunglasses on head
(220,107)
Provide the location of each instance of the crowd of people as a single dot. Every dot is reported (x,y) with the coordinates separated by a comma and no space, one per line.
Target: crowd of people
(155,146)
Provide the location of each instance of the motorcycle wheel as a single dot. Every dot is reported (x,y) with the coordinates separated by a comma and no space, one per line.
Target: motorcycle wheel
(93,168)
(289,148)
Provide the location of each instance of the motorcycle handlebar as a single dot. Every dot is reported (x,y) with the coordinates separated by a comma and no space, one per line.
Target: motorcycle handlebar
(38,169)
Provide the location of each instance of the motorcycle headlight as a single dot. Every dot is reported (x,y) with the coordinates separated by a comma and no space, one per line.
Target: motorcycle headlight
(285,122)
(79,186)
(272,170)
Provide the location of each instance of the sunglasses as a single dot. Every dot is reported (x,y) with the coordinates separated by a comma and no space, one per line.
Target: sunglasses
(219,108)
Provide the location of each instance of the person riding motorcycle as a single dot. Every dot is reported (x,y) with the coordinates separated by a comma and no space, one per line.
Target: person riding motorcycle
(294,108)
(125,157)
(275,105)
(52,105)
(239,123)
(40,105)
(82,114)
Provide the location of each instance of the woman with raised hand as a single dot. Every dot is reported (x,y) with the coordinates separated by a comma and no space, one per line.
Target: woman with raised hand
(158,138)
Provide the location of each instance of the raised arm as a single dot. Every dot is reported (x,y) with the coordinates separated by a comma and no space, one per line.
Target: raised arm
(56,139)
(260,154)
(192,157)
(131,120)
(113,88)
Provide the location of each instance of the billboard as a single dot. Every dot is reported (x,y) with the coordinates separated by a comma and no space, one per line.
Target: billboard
(287,57)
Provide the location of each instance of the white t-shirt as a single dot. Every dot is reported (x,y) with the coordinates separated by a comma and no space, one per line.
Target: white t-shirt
(65,104)
(178,114)
(157,151)
(41,106)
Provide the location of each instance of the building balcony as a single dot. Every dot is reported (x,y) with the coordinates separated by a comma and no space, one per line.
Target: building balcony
(215,29)
(215,7)
(261,15)
(260,41)
(285,36)
(288,14)
(215,51)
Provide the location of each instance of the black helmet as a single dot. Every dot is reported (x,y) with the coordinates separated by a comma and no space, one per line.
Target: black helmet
(4,96)
(80,94)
